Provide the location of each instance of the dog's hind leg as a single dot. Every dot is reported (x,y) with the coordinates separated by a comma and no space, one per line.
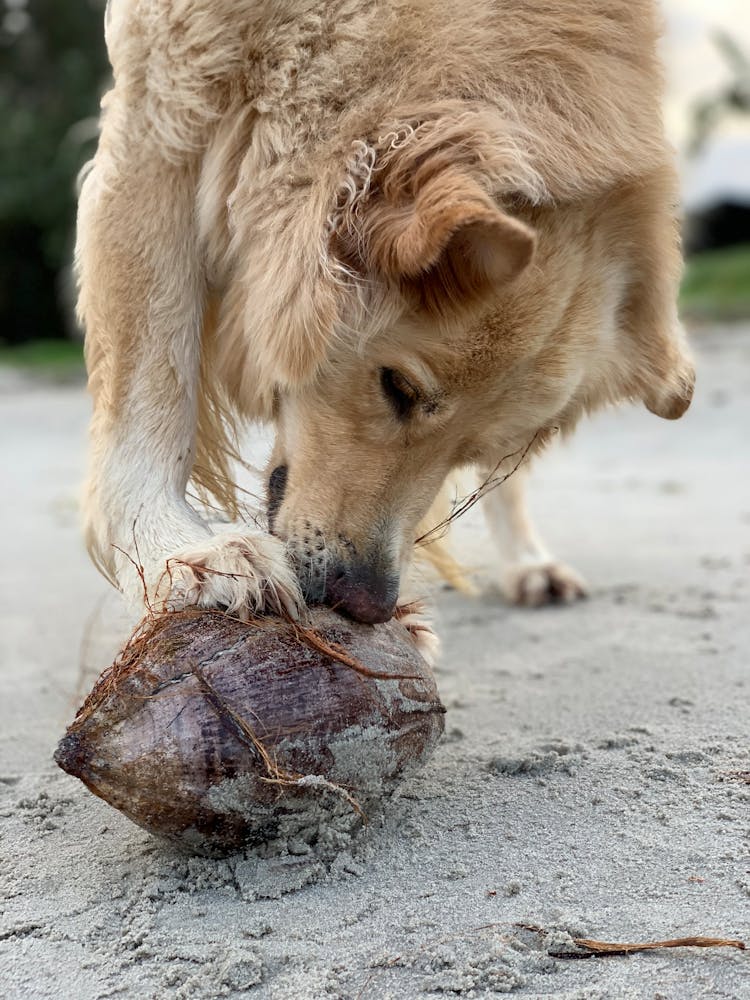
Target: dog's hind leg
(529,575)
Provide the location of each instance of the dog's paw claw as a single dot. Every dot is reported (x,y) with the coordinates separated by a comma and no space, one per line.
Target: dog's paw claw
(533,586)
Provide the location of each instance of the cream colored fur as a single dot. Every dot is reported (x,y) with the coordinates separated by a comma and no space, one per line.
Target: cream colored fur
(290,197)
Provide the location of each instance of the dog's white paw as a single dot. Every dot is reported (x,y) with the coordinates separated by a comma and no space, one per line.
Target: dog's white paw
(240,573)
(532,585)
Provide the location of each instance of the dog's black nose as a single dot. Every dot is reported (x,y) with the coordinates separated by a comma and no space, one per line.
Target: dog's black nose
(363,592)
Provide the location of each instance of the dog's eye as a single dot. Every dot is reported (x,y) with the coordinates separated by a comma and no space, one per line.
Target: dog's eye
(399,391)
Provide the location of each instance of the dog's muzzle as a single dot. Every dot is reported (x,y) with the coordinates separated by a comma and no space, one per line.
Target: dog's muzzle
(364,587)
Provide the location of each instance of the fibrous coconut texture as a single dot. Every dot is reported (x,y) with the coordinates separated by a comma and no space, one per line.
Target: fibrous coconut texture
(220,734)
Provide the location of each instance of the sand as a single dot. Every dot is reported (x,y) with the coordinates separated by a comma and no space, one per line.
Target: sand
(593,778)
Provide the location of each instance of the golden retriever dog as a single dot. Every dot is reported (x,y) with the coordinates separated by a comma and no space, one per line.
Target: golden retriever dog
(415,236)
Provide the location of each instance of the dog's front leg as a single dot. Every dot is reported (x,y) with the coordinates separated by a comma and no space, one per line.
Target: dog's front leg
(141,301)
(529,574)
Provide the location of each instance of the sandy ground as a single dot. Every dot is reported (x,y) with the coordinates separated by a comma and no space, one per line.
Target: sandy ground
(588,783)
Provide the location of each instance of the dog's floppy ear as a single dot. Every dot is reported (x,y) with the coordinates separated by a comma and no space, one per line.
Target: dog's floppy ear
(447,245)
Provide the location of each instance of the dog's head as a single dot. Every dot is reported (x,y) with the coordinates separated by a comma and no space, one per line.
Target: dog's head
(466,324)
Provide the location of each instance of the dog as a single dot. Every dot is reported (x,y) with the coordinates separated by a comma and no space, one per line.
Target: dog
(414,237)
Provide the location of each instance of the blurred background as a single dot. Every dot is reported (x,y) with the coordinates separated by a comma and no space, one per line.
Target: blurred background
(53,70)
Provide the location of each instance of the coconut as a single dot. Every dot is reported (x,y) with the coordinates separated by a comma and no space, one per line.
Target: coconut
(220,734)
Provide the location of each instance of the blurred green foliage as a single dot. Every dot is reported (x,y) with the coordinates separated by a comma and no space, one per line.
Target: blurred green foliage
(717,285)
(55,357)
(53,68)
